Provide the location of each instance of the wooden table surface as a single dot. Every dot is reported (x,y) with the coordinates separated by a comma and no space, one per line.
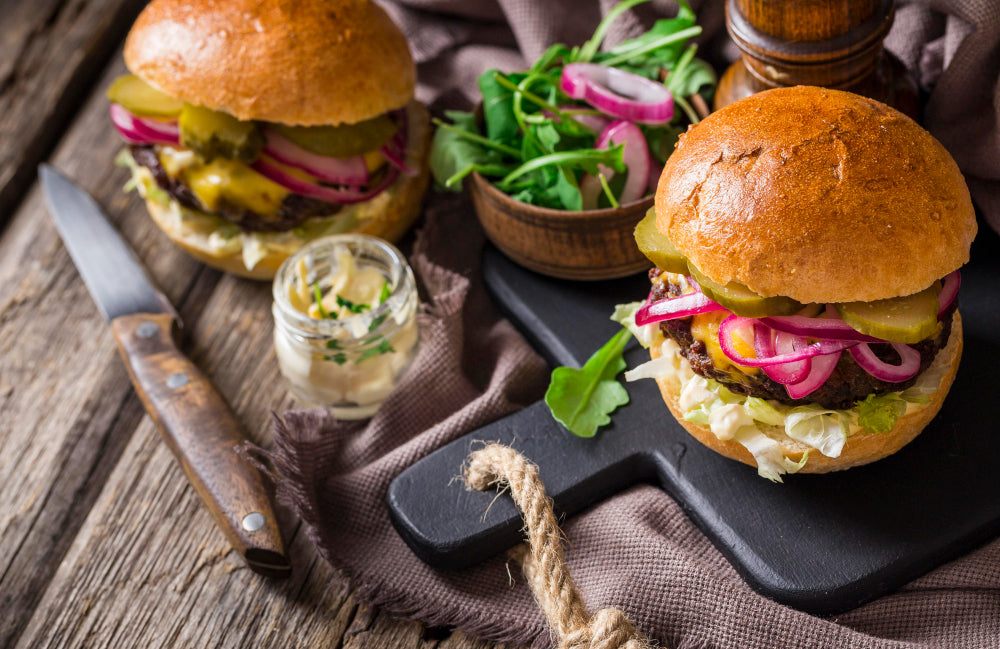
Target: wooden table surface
(102,541)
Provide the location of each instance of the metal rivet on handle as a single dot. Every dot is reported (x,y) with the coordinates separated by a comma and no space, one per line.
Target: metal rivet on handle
(177,380)
(253,521)
(147,330)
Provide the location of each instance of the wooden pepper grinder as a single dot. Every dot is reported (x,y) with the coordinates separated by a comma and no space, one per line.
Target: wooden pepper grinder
(831,43)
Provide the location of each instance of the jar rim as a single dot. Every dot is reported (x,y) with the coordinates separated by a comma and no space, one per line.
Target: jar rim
(401,280)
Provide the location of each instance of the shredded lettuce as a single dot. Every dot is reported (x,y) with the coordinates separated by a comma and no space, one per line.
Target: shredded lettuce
(700,415)
(878,413)
(771,463)
(761,410)
(624,315)
(650,369)
(818,428)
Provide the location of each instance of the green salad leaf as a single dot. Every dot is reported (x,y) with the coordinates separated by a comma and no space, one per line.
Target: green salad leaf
(583,399)
(534,142)
(878,413)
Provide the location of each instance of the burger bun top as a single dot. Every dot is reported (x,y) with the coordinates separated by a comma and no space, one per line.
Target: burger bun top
(297,62)
(815,194)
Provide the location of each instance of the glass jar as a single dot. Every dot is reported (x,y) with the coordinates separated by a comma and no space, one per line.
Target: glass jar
(345,322)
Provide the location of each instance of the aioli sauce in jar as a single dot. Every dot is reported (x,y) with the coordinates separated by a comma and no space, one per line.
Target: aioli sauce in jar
(345,322)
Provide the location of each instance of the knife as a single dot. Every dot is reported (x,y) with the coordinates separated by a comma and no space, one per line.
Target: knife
(197,424)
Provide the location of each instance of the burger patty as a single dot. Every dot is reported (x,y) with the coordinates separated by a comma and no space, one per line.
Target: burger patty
(847,384)
(294,209)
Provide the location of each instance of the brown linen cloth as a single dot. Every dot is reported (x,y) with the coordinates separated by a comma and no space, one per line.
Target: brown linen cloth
(638,550)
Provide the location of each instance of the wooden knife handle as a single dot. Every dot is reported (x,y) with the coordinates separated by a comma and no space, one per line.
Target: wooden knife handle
(203,433)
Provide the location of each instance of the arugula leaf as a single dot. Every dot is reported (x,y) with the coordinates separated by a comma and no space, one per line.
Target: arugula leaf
(458,149)
(878,413)
(565,191)
(498,103)
(589,49)
(583,399)
(587,159)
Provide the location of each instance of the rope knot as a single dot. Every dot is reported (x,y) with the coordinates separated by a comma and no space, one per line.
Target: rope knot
(542,563)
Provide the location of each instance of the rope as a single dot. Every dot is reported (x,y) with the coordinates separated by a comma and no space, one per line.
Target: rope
(542,560)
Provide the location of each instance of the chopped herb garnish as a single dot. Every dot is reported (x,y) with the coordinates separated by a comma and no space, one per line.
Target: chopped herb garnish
(333,344)
(339,358)
(377,322)
(386,291)
(351,306)
(318,295)
(382,348)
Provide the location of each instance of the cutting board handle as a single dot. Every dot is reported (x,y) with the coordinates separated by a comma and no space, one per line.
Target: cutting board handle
(450,526)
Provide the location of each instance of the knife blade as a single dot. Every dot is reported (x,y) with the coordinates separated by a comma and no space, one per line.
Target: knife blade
(195,421)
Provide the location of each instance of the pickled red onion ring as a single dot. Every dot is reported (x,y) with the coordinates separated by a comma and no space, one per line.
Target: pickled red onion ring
(273,171)
(770,342)
(821,367)
(831,327)
(908,367)
(675,307)
(341,171)
(949,291)
(618,93)
(138,130)
(819,348)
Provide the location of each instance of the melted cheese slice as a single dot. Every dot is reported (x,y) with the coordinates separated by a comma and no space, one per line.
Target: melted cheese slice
(705,327)
(222,179)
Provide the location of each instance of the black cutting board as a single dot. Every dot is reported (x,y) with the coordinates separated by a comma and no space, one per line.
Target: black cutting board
(819,543)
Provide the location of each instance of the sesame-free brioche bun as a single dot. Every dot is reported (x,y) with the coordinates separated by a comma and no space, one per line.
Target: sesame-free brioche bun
(818,195)
(297,62)
(396,212)
(861,447)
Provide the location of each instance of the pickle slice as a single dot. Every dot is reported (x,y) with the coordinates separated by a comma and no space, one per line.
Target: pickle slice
(742,301)
(908,319)
(142,99)
(213,134)
(657,247)
(342,141)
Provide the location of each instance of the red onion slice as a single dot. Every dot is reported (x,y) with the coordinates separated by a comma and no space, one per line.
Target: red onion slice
(341,171)
(949,291)
(821,369)
(818,348)
(675,307)
(769,342)
(397,158)
(831,327)
(908,367)
(272,170)
(143,131)
(635,155)
(618,93)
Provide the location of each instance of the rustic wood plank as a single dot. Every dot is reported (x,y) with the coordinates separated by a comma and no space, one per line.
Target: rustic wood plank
(53,51)
(68,405)
(104,543)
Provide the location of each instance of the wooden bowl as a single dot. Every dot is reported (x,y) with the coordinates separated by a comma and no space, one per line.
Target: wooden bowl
(587,245)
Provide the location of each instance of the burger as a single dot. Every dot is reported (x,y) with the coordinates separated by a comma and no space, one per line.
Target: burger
(803,313)
(254,127)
